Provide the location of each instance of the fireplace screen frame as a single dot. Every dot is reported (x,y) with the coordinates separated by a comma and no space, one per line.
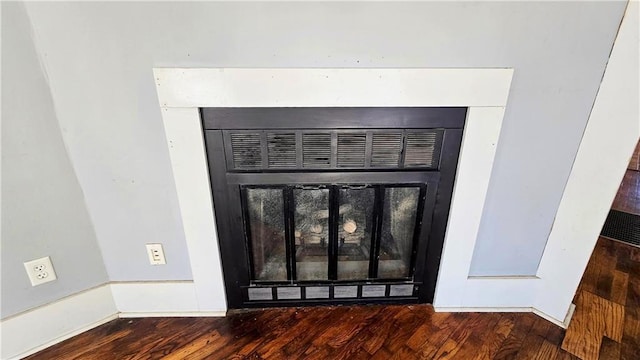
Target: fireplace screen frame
(435,197)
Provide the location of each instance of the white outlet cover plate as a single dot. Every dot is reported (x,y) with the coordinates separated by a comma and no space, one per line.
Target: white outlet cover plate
(40,271)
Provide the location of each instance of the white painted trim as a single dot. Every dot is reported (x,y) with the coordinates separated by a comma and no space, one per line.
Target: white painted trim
(192,88)
(187,152)
(36,329)
(607,144)
(484,91)
(129,315)
(480,139)
(484,309)
(567,319)
(563,324)
(154,297)
(508,292)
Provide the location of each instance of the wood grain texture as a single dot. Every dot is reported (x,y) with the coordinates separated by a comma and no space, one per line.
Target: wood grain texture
(606,325)
(346,332)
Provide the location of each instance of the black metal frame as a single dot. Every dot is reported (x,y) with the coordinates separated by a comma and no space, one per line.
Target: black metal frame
(435,195)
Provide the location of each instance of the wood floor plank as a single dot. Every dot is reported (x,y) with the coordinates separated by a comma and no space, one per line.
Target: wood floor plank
(610,350)
(604,285)
(448,350)
(470,347)
(494,339)
(613,314)
(587,327)
(405,323)
(302,341)
(547,351)
(443,332)
(531,346)
(512,344)
(378,332)
(619,287)
(555,335)
(630,346)
(420,336)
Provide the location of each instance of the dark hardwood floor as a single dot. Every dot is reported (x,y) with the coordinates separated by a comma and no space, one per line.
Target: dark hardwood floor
(606,324)
(353,332)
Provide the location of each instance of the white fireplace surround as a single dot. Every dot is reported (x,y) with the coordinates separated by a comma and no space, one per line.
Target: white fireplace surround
(485,92)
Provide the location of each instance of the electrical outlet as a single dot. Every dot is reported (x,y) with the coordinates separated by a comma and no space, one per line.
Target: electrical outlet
(156,254)
(40,271)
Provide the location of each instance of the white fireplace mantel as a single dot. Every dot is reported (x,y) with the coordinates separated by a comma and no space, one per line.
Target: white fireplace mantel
(484,91)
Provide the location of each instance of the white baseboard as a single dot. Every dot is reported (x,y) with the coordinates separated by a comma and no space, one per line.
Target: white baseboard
(563,324)
(36,329)
(155,297)
(567,319)
(127,315)
(481,309)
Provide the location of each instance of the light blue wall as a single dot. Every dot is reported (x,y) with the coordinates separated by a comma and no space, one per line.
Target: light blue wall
(43,209)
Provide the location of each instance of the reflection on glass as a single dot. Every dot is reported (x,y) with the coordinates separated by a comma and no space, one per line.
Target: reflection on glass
(398,226)
(311,233)
(354,233)
(266,226)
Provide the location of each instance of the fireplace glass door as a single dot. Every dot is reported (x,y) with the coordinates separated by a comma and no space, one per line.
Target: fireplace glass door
(355,230)
(397,233)
(311,232)
(265,230)
(331,232)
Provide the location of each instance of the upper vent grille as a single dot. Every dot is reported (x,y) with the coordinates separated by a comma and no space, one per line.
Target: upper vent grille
(385,150)
(246,150)
(351,149)
(281,150)
(298,149)
(420,149)
(316,150)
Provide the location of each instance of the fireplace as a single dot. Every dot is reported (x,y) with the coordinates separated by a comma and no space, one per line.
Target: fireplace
(331,205)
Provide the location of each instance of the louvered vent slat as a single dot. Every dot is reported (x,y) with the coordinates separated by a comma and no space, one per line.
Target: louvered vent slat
(246,150)
(420,149)
(386,148)
(316,150)
(351,149)
(281,150)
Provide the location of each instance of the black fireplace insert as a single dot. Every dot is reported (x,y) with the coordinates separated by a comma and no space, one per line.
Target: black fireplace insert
(331,205)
